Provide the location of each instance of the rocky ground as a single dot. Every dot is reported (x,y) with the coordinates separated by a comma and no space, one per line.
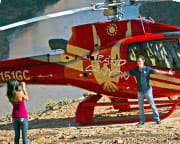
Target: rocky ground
(58,126)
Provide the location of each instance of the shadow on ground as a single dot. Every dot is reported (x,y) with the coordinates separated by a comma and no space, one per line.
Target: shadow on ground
(45,123)
(50,123)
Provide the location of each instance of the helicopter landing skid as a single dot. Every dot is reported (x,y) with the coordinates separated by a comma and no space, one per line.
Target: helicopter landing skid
(85,110)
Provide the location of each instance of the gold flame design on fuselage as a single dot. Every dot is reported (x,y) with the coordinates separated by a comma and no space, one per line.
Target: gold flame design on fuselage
(166,85)
(103,70)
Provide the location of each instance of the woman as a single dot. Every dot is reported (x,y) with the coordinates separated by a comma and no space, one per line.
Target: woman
(17,94)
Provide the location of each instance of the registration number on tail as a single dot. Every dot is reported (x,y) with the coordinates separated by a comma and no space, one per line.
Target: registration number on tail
(19,75)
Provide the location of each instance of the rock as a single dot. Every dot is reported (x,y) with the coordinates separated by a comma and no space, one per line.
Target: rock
(119,141)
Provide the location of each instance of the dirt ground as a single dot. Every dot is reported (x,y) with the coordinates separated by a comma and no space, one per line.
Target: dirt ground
(57,126)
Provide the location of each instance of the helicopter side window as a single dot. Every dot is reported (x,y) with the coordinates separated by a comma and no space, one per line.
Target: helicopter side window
(156,54)
(174,49)
(162,53)
(133,52)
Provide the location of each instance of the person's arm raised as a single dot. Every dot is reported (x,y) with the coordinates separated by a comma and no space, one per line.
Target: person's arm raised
(170,72)
(117,75)
(25,94)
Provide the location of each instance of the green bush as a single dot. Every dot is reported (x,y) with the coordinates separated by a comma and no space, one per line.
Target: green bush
(64,102)
(50,104)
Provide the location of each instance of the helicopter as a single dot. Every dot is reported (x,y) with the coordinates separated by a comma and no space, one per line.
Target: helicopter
(99,50)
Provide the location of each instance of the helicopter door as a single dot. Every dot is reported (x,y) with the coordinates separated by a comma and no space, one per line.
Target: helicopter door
(163,53)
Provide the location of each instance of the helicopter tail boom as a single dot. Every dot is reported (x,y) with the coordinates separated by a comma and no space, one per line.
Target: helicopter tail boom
(43,69)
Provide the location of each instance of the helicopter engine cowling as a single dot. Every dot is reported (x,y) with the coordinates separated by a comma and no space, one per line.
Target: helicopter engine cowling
(56,44)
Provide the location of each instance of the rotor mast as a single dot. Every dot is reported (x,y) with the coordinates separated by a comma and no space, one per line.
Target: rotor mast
(114,10)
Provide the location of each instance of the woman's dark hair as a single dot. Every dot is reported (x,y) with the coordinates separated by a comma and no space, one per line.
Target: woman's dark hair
(12,86)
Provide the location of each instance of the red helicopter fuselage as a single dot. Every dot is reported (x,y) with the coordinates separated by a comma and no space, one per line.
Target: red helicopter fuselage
(96,51)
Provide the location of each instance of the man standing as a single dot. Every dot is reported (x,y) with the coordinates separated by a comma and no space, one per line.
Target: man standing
(142,74)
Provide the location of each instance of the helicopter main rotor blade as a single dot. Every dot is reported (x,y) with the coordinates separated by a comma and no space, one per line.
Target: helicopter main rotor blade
(152,0)
(48,16)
